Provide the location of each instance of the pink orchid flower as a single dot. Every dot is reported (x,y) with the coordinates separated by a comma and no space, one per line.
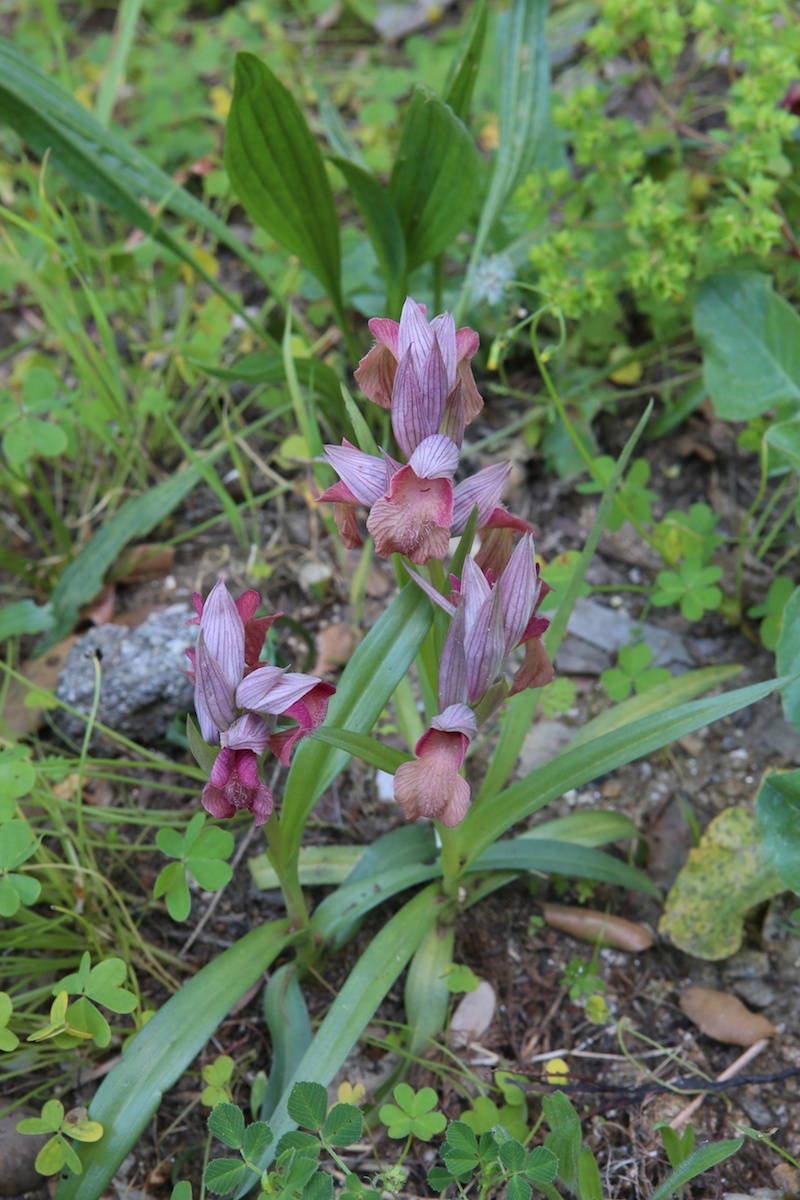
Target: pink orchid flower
(409,356)
(238,699)
(489,621)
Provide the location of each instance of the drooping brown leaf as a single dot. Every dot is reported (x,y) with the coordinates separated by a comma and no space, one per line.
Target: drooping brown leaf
(593,926)
(723,1017)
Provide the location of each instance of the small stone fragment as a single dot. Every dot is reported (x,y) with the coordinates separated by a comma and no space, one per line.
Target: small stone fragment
(723,1017)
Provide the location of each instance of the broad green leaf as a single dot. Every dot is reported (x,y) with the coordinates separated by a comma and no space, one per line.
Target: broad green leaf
(9,898)
(83,1130)
(562,858)
(212,875)
(319,1187)
(17,844)
(466,61)
(351,901)
(724,877)
(787,657)
(170,842)
(367,682)
(434,178)
(25,617)
(512,1155)
(289,1025)
(226,1123)
(161,1052)
(460,1150)
(343,1125)
(751,344)
(778,812)
(211,842)
(573,767)
(380,217)
(699,1161)
(83,1018)
(307,1105)
(358,999)
(784,436)
(277,170)
(181,1191)
(27,888)
(318,866)
(564,1139)
(222,1175)
(541,1166)
(518,1189)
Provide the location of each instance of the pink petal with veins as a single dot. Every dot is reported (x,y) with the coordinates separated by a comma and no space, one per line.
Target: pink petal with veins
(375,373)
(435,458)
(484,489)
(413,518)
(309,713)
(431,785)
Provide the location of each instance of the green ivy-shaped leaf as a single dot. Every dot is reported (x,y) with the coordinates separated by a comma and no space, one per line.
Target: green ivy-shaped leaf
(412,1114)
(725,876)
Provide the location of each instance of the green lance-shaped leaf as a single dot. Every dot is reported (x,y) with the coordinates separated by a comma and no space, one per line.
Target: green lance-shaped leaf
(381,220)
(427,995)
(466,61)
(435,176)
(356,1003)
(702,1159)
(562,858)
(778,812)
(277,170)
(289,1025)
(787,657)
(163,1049)
(367,682)
(573,767)
(751,344)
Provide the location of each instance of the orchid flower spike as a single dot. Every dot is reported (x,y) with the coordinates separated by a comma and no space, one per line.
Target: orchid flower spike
(238,700)
(489,621)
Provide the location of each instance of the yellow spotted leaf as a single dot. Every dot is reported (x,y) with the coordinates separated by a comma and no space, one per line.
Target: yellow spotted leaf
(724,877)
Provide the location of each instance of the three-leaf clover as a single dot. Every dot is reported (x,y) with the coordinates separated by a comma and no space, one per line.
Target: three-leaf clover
(82,1019)
(57,1152)
(412,1114)
(217,1076)
(200,852)
(27,435)
(693,587)
(17,844)
(633,499)
(633,672)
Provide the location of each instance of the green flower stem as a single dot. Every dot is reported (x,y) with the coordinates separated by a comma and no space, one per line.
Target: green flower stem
(287,869)
(450,859)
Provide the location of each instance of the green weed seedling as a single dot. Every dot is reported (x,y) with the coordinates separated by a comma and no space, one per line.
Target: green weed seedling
(217,1076)
(633,672)
(201,852)
(57,1153)
(82,1020)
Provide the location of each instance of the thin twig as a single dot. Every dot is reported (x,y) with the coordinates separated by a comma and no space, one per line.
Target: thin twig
(752,1052)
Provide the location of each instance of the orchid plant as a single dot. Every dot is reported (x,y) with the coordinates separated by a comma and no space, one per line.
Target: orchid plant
(482,654)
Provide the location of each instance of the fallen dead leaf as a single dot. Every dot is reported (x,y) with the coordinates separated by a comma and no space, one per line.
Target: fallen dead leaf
(723,1017)
(593,926)
(22,711)
(334,647)
(473,1015)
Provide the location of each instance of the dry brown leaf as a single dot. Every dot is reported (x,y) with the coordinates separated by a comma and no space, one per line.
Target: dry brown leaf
(723,1017)
(473,1015)
(593,926)
(334,647)
(102,608)
(41,675)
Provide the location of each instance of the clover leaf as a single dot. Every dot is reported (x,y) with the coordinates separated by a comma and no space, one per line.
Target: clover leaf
(216,1076)
(57,1152)
(82,1019)
(412,1114)
(633,672)
(201,853)
(693,587)
(17,844)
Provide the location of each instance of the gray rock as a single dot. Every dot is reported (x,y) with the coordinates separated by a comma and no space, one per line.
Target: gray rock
(543,742)
(596,633)
(142,683)
(18,1154)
